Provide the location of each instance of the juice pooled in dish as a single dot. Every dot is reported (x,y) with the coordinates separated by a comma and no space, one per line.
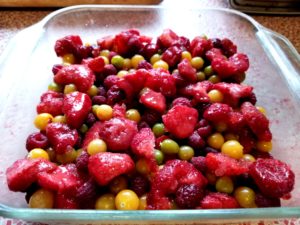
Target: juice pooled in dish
(135,122)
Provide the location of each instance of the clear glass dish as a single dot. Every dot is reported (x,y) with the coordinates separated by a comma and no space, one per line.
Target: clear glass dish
(25,72)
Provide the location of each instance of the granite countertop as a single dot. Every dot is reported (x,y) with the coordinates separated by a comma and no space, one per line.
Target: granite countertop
(13,20)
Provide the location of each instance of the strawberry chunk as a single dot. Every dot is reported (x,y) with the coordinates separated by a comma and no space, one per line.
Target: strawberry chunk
(217,112)
(68,45)
(172,55)
(197,91)
(106,42)
(143,144)
(200,45)
(118,133)
(63,201)
(64,179)
(222,165)
(153,100)
(23,173)
(257,121)
(218,201)
(76,107)
(187,71)
(161,80)
(95,64)
(174,174)
(168,38)
(92,134)
(213,54)
(80,75)
(119,110)
(100,166)
(51,102)
(137,79)
(181,121)
(233,93)
(61,137)
(273,177)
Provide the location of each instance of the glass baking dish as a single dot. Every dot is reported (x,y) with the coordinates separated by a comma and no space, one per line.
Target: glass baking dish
(25,72)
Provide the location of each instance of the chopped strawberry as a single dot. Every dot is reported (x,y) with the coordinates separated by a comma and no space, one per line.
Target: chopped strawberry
(247,140)
(76,107)
(187,71)
(233,93)
(118,133)
(172,55)
(68,45)
(61,137)
(222,165)
(153,100)
(257,121)
(106,42)
(93,133)
(217,112)
(213,54)
(23,172)
(100,166)
(64,179)
(143,144)
(51,102)
(197,91)
(127,88)
(273,177)
(218,201)
(168,38)
(181,121)
(137,79)
(199,46)
(236,121)
(161,80)
(238,63)
(63,201)
(80,75)
(95,64)
(167,180)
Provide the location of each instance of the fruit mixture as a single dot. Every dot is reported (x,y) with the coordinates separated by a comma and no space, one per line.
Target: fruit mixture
(139,123)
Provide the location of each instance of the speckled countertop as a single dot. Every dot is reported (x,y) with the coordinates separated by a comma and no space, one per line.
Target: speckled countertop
(14,20)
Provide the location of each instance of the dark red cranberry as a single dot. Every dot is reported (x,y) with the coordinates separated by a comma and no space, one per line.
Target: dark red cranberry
(101,91)
(91,119)
(151,117)
(183,42)
(181,101)
(85,51)
(114,95)
(56,68)
(144,65)
(149,50)
(109,69)
(140,185)
(86,191)
(199,163)
(196,141)
(110,81)
(263,201)
(228,47)
(82,161)
(37,140)
(204,129)
(98,100)
(188,196)
(217,43)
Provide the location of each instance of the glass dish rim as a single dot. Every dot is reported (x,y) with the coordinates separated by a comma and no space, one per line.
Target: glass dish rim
(155,215)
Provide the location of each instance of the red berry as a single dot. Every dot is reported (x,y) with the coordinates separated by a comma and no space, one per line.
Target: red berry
(82,161)
(119,110)
(181,121)
(228,47)
(64,179)
(95,64)
(153,100)
(273,177)
(196,141)
(100,166)
(37,140)
(197,91)
(199,163)
(199,46)
(61,137)
(139,184)
(172,56)
(76,107)
(181,101)
(222,165)
(63,201)
(218,201)
(217,112)
(80,75)
(23,173)
(213,54)
(168,38)
(92,133)
(51,102)
(106,42)
(68,45)
(118,133)
(187,71)
(257,121)
(188,196)
(263,201)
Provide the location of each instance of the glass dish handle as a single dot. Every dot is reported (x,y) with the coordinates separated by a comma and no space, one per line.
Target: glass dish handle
(284,56)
